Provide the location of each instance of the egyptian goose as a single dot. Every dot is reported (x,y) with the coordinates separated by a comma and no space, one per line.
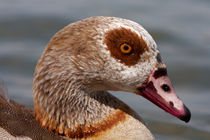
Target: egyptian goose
(81,62)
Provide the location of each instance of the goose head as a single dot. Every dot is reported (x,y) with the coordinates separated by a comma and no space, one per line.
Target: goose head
(107,53)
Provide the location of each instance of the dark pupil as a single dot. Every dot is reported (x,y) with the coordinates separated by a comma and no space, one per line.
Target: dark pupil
(165,87)
(126,48)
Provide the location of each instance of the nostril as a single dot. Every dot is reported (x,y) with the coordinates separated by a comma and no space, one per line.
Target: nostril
(165,87)
(171,103)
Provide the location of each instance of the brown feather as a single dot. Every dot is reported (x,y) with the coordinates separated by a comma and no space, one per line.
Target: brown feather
(114,38)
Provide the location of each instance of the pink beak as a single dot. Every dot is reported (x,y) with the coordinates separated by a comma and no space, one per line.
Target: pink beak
(159,90)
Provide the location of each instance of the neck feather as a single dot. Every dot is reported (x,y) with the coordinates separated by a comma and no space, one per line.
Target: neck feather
(68,108)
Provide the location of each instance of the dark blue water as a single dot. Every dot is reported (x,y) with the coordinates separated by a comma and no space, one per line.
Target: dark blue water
(181,29)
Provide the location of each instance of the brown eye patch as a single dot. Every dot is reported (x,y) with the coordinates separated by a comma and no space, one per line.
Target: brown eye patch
(114,39)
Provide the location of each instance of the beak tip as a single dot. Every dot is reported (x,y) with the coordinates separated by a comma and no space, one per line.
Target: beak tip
(186,116)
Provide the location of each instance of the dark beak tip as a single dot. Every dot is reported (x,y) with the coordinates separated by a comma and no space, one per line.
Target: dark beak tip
(187,115)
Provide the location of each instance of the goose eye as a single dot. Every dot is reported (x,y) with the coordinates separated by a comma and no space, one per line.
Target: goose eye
(125,48)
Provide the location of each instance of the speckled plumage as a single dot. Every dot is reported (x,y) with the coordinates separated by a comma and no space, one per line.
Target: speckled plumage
(18,123)
(74,73)
(76,69)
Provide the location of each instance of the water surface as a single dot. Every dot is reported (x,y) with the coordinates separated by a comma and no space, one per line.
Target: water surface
(181,29)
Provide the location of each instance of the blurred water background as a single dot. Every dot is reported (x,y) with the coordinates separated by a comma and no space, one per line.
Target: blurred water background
(181,29)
